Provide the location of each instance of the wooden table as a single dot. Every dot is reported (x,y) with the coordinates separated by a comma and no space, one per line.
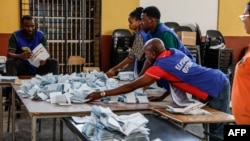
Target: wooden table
(43,109)
(3,83)
(215,117)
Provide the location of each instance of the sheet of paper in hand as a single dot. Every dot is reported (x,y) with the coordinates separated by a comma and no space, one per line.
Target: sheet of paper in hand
(180,97)
(39,53)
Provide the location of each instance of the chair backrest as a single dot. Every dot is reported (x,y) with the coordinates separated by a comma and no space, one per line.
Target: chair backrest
(75,64)
(171,25)
(214,37)
(76,60)
(195,51)
(198,34)
(121,33)
(219,59)
(121,42)
(182,28)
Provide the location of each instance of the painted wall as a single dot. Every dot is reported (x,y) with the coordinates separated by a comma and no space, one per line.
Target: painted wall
(230,25)
(115,14)
(228,20)
(9,15)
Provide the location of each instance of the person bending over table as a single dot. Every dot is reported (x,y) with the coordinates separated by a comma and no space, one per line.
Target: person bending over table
(150,22)
(136,53)
(173,66)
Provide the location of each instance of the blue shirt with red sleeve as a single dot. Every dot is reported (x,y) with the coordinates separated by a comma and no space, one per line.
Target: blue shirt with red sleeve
(176,68)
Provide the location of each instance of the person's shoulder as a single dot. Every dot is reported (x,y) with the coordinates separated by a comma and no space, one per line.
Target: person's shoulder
(14,34)
(16,31)
(39,31)
(141,33)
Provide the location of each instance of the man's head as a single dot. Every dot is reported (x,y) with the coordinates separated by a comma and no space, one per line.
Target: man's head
(153,48)
(150,17)
(28,25)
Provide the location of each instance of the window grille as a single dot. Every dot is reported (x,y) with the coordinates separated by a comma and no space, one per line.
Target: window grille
(72,28)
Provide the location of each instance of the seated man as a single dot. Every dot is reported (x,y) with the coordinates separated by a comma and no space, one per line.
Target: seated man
(172,65)
(21,43)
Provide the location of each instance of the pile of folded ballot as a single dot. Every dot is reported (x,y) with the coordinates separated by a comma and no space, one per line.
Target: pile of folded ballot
(104,125)
(74,88)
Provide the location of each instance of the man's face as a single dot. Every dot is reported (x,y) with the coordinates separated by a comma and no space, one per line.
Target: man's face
(149,55)
(146,22)
(28,26)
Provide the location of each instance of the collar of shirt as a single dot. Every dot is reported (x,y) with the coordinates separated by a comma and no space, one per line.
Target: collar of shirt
(165,53)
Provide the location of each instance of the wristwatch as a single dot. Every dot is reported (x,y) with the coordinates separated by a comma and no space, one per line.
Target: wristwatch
(103,93)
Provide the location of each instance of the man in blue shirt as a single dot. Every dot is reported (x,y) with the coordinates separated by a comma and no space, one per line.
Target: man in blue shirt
(21,44)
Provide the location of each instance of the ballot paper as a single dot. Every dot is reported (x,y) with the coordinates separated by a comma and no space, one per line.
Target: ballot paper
(104,125)
(55,99)
(126,75)
(195,108)
(130,97)
(180,97)
(43,96)
(8,77)
(38,54)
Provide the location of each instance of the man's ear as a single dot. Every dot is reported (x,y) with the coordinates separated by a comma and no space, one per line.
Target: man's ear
(153,54)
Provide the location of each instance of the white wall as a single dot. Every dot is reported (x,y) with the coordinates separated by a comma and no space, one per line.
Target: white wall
(185,12)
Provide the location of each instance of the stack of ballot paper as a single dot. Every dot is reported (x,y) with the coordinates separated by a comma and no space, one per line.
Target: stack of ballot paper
(126,75)
(104,125)
(194,109)
(74,88)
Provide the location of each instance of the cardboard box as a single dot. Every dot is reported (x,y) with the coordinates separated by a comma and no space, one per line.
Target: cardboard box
(187,37)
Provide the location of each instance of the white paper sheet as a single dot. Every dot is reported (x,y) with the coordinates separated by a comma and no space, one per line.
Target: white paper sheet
(38,54)
(8,77)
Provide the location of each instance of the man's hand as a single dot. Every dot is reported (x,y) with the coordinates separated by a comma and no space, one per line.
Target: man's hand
(25,55)
(110,73)
(94,96)
(42,62)
(158,98)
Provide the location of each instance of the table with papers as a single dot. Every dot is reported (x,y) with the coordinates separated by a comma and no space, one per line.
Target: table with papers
(5,81)
(160,129)
(43,109)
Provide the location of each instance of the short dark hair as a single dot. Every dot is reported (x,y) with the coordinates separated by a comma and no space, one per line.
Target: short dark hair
(136,13)
(26,17)
(153,12)
(248,7)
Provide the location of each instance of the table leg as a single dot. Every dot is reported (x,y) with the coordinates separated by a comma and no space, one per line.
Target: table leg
(54,129)
(13,104)
(61,130)
(1,114)
(207,131)
(33,128)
